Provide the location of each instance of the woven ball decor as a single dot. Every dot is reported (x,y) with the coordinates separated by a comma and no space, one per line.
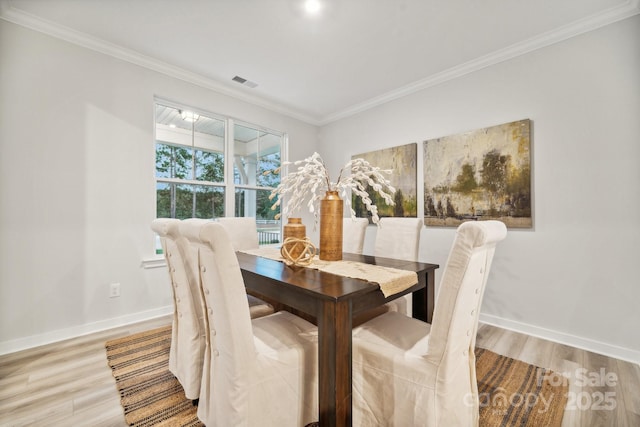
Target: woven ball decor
(292,245)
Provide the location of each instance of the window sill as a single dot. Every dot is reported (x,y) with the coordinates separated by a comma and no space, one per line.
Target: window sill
(153,263)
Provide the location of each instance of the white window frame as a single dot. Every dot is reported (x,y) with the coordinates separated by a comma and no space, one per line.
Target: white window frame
(228,183)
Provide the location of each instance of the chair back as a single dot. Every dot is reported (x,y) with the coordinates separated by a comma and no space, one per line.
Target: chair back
(353,232)
(455,317)
(242,231)
(230,354)
(398,238)
(189,325)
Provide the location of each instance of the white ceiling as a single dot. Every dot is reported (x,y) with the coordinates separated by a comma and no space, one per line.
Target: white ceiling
(355,54)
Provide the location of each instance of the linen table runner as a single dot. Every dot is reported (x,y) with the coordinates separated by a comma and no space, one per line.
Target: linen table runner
(391,280)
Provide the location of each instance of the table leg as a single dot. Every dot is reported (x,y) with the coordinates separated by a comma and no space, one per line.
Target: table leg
(423,299)
(334,363)
(431,292)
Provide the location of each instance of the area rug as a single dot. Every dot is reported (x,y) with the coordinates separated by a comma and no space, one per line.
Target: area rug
(511,392)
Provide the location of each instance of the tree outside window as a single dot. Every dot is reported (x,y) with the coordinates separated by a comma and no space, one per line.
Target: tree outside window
(191,158)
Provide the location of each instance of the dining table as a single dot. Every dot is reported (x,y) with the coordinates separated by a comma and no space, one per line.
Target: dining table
(333,301)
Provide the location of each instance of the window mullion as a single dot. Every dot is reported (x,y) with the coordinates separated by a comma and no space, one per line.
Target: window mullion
(181,181)
(193,167)
(230,199)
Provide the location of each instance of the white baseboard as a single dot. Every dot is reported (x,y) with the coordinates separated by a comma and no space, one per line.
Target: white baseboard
(609,350)
(19,344)
(617,352)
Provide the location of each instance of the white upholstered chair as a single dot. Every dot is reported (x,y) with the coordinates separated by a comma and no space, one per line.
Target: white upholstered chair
(260,372)
(188,327)
(399,238)
(353,232)
(425,375)
(243,233)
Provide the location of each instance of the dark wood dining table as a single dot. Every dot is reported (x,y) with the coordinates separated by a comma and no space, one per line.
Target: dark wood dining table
(334,301)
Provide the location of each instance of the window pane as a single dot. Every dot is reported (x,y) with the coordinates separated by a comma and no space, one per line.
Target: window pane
(269,162)
(209,166)
(189,201)
(173,161)
(209,149)
(190,169)
(256,152)
(268,232)
(189,145)
(256,203)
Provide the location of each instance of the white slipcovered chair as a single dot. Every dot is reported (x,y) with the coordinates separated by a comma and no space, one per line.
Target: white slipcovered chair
(260,372)
(353,232)
(242,231)
(188,332)
(399,238)
(243,234)
(426,374)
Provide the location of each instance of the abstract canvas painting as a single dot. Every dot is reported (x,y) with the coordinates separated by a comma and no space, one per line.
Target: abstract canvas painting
(404,178)
(479,175)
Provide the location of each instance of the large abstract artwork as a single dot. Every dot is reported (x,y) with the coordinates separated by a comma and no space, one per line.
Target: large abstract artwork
(402,160)
(479,175)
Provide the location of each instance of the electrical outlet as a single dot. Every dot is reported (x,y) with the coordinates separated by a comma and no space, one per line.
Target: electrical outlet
(114,290)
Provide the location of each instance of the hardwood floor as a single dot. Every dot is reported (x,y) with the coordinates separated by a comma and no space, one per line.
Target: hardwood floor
(603,392)
(70,384)
(64,384)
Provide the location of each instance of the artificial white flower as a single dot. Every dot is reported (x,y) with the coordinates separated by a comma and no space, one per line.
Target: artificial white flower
(311,180)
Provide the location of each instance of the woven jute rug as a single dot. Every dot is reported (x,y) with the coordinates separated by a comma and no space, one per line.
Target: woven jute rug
(511,392)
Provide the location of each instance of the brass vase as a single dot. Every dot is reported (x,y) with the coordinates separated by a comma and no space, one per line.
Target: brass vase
(296,229)
(331,212)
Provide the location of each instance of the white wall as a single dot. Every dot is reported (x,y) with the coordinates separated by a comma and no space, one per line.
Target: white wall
(574,277)
(77,185)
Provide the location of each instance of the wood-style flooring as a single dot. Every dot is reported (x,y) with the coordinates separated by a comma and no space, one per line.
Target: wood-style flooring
(69,383)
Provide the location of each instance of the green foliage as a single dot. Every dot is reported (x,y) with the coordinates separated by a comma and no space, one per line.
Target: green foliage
(358,207)
(204,201)
(410,206)
(189,201)
(520,180)
(403,206)
(173,162)
(466,180)
(519,192)
(209,166)
(504,190)
(266,167)
(398,198)
(494,171)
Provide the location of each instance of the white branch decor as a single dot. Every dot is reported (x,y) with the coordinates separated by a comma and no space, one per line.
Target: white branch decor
(311,181)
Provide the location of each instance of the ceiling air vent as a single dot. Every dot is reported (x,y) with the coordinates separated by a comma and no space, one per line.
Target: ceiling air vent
(244,82)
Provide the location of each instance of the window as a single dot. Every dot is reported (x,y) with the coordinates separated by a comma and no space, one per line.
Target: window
(256,153)
(210,166)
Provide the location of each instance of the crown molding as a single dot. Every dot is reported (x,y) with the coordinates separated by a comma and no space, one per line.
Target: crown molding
(593,22)
(10,14)
(601,19)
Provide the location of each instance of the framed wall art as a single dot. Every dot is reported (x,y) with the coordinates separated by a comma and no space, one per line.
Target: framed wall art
(402,160)
(479,175)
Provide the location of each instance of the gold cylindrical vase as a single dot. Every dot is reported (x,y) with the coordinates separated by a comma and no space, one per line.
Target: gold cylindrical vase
(331,211)
(296,229)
